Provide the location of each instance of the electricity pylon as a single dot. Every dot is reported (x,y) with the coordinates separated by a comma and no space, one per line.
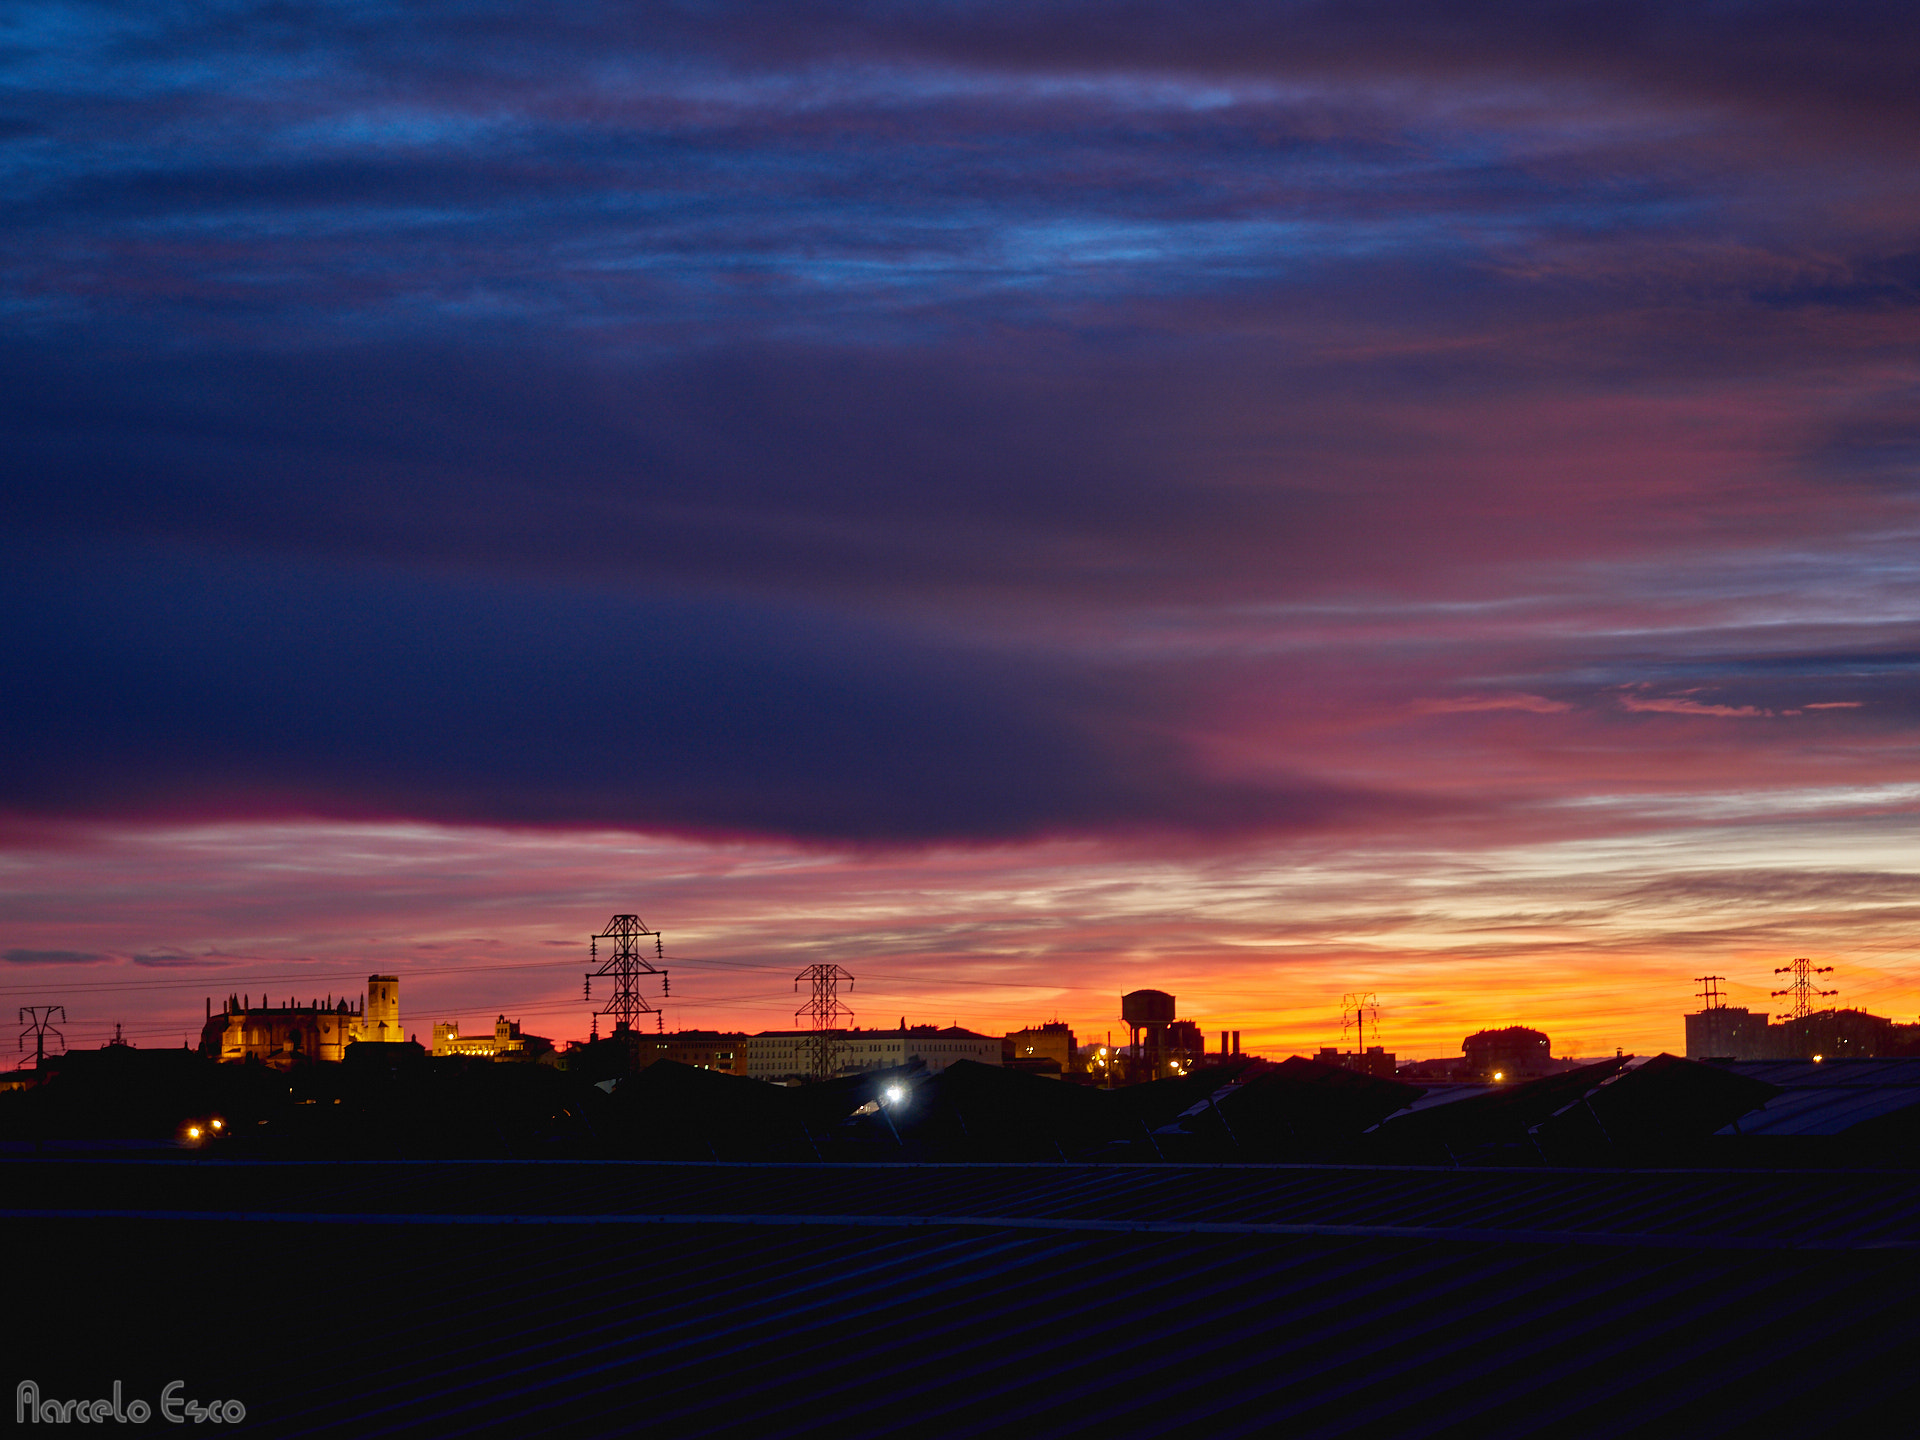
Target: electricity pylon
(1801,987)
(626,965)
(37,1021)
(826,1012)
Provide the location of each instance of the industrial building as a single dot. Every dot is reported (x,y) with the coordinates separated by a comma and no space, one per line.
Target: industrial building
(786,1055)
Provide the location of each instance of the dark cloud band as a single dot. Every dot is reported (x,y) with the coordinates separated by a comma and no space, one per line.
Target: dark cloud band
(143,686)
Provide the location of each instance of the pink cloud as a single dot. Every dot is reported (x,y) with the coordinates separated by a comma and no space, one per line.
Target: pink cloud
(1694,707)
(1534,704)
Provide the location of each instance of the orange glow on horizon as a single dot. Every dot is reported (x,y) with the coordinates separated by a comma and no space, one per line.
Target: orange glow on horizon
(1595,944)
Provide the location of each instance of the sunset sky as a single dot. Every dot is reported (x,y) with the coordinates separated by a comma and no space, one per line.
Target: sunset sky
(1023,501)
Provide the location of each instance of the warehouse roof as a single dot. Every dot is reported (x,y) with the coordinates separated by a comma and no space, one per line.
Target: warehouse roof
(1829,1097)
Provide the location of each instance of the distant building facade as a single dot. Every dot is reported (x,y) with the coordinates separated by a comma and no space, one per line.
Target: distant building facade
(1728,1032)
(1374,1060)
(786,1055)
(720,1050)
(292,1033)
(505,1043)
(1509,1054)
(1035,1046)
(1186,1041)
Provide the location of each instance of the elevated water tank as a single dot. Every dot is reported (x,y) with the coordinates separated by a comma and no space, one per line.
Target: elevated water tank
(1147,1007)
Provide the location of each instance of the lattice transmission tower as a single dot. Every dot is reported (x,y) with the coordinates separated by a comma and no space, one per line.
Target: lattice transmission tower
(825,1012)
(1801,988)
(37,1021)
(626,964)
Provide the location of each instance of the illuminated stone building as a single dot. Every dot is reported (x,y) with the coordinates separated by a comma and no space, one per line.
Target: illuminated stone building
(505,1042)
(293,1033)
(382,1019)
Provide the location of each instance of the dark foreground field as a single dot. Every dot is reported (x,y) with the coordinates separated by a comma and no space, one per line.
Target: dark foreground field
(698,1298)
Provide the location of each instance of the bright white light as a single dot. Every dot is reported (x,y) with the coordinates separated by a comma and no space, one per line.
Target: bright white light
(193,1132)
(1499,1074)
(895,1095)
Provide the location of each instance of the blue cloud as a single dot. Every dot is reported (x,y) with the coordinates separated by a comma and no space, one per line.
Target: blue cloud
(52,957)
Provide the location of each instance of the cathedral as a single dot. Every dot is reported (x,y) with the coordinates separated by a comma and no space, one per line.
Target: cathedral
(292,1033)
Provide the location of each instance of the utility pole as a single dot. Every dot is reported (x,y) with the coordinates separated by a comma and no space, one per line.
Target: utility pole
(626,965)
(37,1021)
(824,1009)
(1801,987)
(1713,1022)
(1355,1011)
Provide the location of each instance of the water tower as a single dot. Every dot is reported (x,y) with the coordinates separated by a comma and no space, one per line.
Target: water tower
(1148,1012)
